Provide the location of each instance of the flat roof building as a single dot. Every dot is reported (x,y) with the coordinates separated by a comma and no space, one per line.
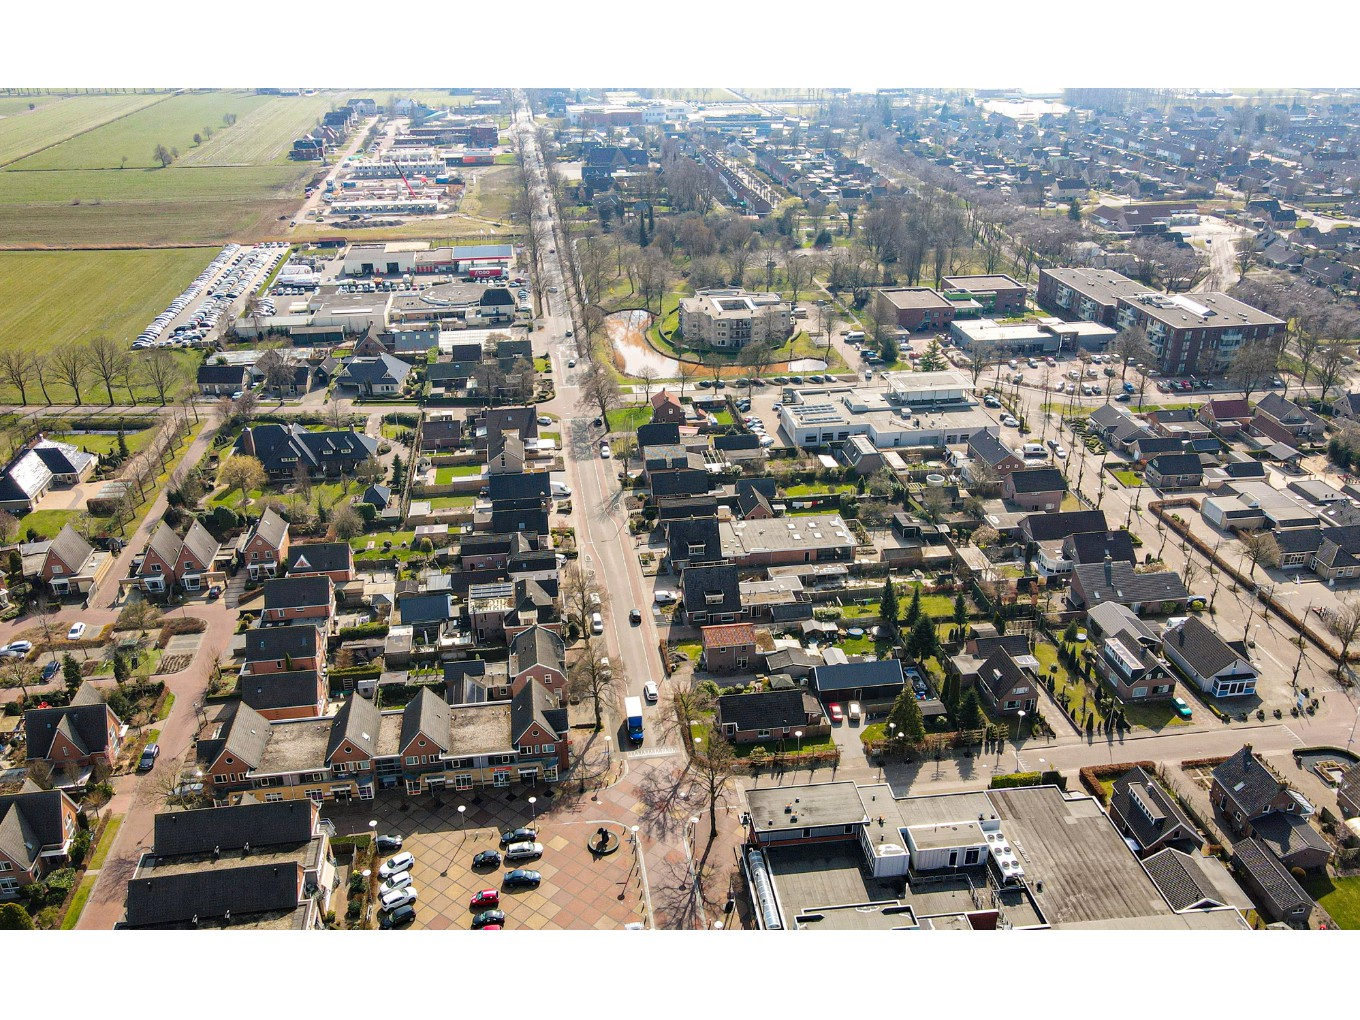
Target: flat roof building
(914,308)
(1088,294)
(1195,333)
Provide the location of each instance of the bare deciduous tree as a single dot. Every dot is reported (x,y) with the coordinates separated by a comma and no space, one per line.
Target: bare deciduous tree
(592,677)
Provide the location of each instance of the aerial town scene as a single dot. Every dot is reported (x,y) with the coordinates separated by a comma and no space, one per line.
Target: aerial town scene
(703,509)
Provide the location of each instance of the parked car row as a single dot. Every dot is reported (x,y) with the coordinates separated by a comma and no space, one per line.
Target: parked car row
(234,272)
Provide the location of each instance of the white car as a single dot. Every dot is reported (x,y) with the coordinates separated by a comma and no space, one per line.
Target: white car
(544,420)
(665,598)
(571,362)
(605,452)
(20,647)
(398,897)
(650,691)
(76,632)
(396,865)
(1010,420)
(766,441)
(1060,452)
(398,881)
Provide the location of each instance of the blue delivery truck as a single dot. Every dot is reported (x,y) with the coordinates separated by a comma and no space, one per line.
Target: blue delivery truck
(632,708)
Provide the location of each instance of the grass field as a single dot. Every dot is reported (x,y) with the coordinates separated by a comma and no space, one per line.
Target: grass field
(131,140)
(48,299)
(105,445)
(177,182)
(26,132)
(266,134)
(1340,897)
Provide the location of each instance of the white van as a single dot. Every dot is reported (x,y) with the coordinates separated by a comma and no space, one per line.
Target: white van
(1033,450)
(596,623)
(854,336)
(561,490)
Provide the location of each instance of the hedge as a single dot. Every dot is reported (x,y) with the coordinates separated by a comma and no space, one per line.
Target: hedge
(179,625)
(1014,779)
(1093,775)
(362,630)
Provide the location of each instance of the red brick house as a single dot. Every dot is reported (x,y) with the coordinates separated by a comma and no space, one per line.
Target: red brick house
(306,599)
(283,649)
(1035,488)
(77,735)
(771,715)
(538,654)
(264,551)
(333,559)
(71,565)
(36,829)
(170,561)
(728,647)
(538,726)
(1227,417)
(666,408)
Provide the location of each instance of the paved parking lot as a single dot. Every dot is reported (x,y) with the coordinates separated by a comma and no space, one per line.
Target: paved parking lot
(578,890)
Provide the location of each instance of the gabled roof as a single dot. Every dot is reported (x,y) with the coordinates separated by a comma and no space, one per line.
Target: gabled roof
(31,821)
(519,487)
(428,715)
(534,703)
(767,710)
(537,646)
(295,641)
(1250,784)
(1285,411)
(70,548)
(282,823)
(1000,674)
(1228,409)
(318,556)
(221,375)
(850,675)
(695,531)
(1036,480)
(1147,809)
(380,369)
(987,446)
(246,737)
(663,398)
(1181,879)
(268,691)
(377,495)
(1202,649)
(1045,527)
(357,723)
(241,891)
(725,635)
(1270,876)
(698,582)
(271,528)
(1094,546)
(658,433)
(84,722)
(298,592)
(199,541)
(1118,582)
(1288,834)
(1176,464)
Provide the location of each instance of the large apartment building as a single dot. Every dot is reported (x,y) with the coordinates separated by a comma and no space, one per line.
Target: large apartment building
(730,319)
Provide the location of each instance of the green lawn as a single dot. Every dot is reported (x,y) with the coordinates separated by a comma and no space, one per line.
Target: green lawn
(1340,897)
(1128,479)
(23,131)
(451,502)
(78,901)
(106,842)
(360,543)
(105,445)
(724,418)
(820,490)
(46,522)
(555,437)
(446,475)
(1155,715)
(627,419)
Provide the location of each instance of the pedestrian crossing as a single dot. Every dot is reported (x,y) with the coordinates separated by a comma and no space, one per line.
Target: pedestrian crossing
(654,752)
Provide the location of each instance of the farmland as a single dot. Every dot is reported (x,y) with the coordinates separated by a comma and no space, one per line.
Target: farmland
(49,299)
(176,183)
(132,140)
(54,121)
(265,135)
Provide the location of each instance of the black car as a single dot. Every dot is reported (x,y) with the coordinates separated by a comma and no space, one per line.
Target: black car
(403,915)
(522,878)
(487,859)
(524,835)
(635,616)
(50,670)
(149,756)
(388,844)
(487,918)
(598,422)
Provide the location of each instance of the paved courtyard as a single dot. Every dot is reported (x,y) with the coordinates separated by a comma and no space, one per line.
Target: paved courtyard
(578,891)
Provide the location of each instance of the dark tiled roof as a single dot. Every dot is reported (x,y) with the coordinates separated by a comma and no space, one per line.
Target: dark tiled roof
(383,369)
(295,641)
(698,582)
(1202,648)
(695,531)
(220,375)
(1045,527)
(657,433)
(297,592)
(271,527)
(535,704)
(1176,464)
(849,675)
(1288,834)
(519,488)
(247,735)
(288,822)
(84,722)
(1249,783)
(1181,880)
(357,723)
(318,556)
(31,821)
(1000,675)
(1036,480)
(536,646)
(240,891)
(279,690)
(1117,582)
(1148,810)
(765,710)
(70,547)
(428,715)
(377,495)
(987,446)
(1094,546)
(1270,876)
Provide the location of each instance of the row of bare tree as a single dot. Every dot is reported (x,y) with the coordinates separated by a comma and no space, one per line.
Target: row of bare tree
(102,359)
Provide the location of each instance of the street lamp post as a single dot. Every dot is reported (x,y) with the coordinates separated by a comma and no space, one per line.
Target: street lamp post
(533,813)
(461,809)
(1019,724)
(798,734)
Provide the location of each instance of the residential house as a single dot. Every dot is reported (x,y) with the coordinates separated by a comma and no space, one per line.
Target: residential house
(377,376)
(1095,546)
(266,546)
(693,542)
(539,654)
(771,715)
(170,561)
(743,448)
(1177,423)
(72,566)
(728,647)
(426,613)
(250,866)
(1048,527)
(483,423)
(756,498)
(667,409)
(1145,813)
(269,650)
(1128,661)
(1193,882)
(1338,553)
(1348,792)
(1154,592)
(36,830)
(1226,417)
(1035,488)
(327,454)
(1277,893)
(37,469)
(291,694)
(985,447)
(1256,803)
(505,455)
(72,738)
(1171,471)
(712,595)
(333,559)
(223,380)
(658,434)
(1283,421)
(1009,683)
(298,599)
(1347,406)
(1219,669)
(1116,428)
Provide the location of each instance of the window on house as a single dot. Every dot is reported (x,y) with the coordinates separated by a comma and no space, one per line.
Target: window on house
(762,734)
(273,798)
(413,759)
(807,833)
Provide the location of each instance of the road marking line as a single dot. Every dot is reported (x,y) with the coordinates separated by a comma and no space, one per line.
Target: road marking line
(1295,736)
(654,752)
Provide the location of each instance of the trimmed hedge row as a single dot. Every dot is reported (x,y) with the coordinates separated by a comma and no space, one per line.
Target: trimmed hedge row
(1093,775)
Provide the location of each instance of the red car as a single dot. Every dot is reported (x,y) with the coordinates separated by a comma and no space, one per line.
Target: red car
(486,898)
(834,710)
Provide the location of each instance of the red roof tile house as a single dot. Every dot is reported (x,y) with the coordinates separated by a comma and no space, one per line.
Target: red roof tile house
(75,736)
(1226,418)
(170,561)
(728,647)
(666,407)
(36,829)
(263,552)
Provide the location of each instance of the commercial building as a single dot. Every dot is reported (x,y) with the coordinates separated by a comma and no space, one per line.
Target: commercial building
(996,294)
(1046,336)
(1091,295)
(1197,333)
(904,409)
(730,319)
(914,308)
(779,541)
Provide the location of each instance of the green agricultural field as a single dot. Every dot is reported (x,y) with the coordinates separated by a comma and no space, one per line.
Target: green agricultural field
(177,183)
(132,140)
(265,135)
(26,132)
